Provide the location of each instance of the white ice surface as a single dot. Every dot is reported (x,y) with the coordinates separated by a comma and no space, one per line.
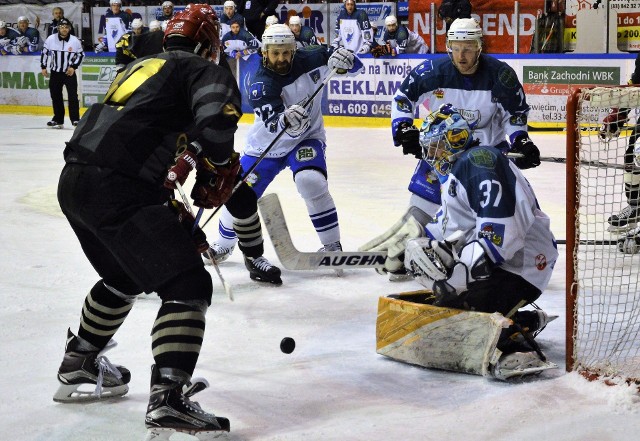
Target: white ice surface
(333,386)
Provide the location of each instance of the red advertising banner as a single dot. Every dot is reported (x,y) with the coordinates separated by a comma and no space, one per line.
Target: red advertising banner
(497,18)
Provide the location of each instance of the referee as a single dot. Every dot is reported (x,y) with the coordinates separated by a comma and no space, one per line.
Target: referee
(63,54)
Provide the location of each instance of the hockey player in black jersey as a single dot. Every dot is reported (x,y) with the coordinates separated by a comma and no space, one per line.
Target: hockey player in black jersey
(113,192)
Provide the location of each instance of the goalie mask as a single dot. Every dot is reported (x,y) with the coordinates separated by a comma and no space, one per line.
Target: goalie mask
(444,135)
(278,48)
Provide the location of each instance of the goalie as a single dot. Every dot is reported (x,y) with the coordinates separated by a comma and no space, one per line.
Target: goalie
(490,248)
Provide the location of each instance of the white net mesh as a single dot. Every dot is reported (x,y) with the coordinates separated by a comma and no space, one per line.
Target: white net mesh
(607,309)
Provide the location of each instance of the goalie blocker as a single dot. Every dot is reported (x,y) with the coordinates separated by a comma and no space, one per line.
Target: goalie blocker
(410,329)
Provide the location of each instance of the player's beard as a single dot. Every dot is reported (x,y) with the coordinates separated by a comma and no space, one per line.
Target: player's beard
(282,67)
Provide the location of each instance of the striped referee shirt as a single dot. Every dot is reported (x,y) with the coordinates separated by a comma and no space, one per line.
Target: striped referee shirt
(59,54)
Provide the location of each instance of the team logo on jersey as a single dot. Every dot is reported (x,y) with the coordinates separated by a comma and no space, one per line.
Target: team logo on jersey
(483,158)
(507,77)
(519,119)
(439,93)
(315,76)
(423,68)
(492,232)
(431,177)
(252,179)
(403,105)
(541,262)
(472,117)
(453,188)
(305,154)
(257,91)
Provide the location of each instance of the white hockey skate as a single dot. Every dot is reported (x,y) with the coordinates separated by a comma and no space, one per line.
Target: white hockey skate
(89,375)
(520,364)
(328,248)
(170,411)
(218,252)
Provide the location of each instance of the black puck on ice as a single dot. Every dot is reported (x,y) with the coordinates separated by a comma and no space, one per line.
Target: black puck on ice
(287,345)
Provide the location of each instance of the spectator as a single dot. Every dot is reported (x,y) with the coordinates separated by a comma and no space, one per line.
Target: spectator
(449,10)
(255,13)
(62,53)
(7,35)
(124,55)
(28,39)
(57,13)
(167,11)
(353,29)
(114,28)
(398,39)
(271,20)
(239,42)
(304,34)
(230,13)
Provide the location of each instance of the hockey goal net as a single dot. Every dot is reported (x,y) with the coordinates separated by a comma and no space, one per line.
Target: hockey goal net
(603,283)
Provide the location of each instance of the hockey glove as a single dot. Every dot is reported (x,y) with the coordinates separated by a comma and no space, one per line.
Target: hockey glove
(214,183)
(100,47)
(16,50)
(4,42)
(364,49)
(342,60)
(187,221)
(524,146)
(409,137)
(437,265)
(22,41)
(613,123)
(185,162)
(295,120)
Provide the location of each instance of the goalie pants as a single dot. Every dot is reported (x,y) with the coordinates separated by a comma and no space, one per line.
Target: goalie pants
(502,292)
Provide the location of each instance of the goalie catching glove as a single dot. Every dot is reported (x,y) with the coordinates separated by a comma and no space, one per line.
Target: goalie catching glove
(215,182)
(187,221)
(438,266)
(295,120)
(342,60)
(613,123)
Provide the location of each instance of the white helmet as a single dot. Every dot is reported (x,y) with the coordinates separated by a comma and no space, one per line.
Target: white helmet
(137,23)
(167,4)
(154,25)
(229,4)
(464,29)
(278,34)
(390,20)
(271,20)
(295,20)
(115,2)
(23,18)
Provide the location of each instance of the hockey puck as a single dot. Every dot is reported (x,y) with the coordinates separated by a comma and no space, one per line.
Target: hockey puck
(287,345)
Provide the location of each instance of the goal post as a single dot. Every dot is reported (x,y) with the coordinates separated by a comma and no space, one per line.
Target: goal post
(602,282)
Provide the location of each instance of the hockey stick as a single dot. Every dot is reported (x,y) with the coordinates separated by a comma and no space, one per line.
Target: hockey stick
(185,201)
(559,160)
(590,242)
(292,259)
(270,146)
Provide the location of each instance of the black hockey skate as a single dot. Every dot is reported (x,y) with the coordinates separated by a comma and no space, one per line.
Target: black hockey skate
(261,270)
(625,220)
(170,410)
(55,125)
(89,375)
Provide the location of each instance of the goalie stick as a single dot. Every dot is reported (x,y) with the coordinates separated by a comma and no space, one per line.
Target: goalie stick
(270,146)
(292,259)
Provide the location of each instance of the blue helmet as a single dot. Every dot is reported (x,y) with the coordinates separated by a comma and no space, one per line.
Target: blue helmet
(444,135)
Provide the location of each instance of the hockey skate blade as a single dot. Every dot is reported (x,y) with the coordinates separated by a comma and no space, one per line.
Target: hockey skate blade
(164,434)
(520,364)
(71,393)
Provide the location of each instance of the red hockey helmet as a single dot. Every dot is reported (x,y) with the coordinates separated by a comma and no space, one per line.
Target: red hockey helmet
(199,23)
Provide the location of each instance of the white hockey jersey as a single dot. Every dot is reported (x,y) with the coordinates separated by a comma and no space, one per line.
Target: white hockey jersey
(492,100)
(487,197)
(270,93)
(353,31)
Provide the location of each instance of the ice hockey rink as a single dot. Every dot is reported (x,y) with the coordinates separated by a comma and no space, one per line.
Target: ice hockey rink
(333,386)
